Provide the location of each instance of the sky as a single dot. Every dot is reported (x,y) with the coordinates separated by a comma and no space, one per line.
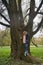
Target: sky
(36,20)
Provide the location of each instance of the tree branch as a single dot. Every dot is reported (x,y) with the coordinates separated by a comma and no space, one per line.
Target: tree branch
(40,13)
(5,18)
(38,8)
(27,10)
(13,6)
(20,14)
(34,44)
(19,5)
(4,24)
(26,15)
(6,4)
(38,27)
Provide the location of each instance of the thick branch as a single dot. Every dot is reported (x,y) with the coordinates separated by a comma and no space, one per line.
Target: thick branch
(38,8)
(38,27)
(13,6)
(31,16)
(6,4)
(4,24)
(19,5)
(20,14)
(5,18)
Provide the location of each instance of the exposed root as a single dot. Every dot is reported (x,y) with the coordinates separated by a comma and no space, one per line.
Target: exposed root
(26,60)
(31,59)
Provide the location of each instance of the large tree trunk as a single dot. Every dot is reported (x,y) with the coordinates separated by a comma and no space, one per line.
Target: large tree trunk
(13,44)
(17,50)
(16,43)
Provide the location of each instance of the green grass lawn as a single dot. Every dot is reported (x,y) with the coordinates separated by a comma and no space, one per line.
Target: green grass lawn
(38,52)
(5,53)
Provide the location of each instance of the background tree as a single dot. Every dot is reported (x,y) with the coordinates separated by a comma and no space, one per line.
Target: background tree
(5,39)
(16,24)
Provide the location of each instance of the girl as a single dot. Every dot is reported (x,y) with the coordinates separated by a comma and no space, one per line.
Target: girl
(25,42)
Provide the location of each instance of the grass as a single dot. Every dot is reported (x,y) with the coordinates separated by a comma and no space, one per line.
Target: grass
(5,53)
(38,52)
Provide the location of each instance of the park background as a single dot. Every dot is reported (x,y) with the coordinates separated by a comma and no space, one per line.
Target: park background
(5,48)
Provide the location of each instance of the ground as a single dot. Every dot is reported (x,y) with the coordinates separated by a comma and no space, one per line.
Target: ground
(6,60)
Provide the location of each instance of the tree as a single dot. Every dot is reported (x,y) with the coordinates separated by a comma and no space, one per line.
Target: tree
(5,37)
(17,26)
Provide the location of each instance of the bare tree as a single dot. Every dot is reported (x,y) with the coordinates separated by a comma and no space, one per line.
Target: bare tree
(17,26)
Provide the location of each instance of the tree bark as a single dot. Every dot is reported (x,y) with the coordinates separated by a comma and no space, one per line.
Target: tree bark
(13,43)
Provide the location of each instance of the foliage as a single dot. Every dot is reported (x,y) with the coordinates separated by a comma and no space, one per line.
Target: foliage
(38,41)
(5,39)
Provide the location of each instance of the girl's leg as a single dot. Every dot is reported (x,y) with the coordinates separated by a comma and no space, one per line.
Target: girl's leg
(25,49)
